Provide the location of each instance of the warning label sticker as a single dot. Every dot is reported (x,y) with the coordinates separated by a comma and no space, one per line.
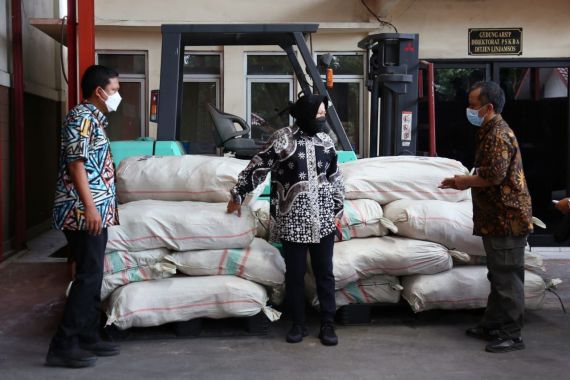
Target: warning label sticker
(406,125)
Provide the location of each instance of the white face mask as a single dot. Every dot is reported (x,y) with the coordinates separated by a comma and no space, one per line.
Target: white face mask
(112,102)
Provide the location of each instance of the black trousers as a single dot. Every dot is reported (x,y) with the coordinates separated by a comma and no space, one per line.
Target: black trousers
(81,317)
(322,265)
(505,263)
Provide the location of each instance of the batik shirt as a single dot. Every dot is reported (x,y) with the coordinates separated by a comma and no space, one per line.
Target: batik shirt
(83,138)
(307,190)
(503,209)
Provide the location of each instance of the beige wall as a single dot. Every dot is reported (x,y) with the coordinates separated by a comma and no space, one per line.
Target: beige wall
(443,25)
(151,12)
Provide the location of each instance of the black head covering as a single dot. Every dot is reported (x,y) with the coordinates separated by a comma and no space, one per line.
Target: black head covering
(305,110)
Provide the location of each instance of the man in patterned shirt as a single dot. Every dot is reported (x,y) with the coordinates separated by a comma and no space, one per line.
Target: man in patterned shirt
(85,205)
(502,215)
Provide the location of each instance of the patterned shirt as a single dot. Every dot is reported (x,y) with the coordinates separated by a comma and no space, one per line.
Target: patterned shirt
(83,138)
(503,209)
(307,190)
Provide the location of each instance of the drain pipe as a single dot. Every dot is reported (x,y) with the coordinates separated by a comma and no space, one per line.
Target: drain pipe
(17,112)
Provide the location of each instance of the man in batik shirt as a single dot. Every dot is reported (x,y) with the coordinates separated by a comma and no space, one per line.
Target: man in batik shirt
(502,215)
(85,205)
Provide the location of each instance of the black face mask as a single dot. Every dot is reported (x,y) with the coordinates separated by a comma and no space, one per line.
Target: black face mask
(315,126)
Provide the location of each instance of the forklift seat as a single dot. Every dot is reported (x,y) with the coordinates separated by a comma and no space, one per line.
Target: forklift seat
(232,139)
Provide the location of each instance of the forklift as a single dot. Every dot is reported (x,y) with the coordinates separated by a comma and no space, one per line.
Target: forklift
(393,74)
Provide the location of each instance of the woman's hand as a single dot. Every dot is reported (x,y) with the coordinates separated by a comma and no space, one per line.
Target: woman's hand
(233,207)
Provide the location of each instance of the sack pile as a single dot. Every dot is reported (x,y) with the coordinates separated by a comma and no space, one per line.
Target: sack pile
(431,256)
(177,254)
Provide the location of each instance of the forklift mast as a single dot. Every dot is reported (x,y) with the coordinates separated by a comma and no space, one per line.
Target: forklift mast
(176,37)
(393,81)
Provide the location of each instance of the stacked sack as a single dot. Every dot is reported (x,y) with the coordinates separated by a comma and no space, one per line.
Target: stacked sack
(466,285)
(433,230)
(173,220)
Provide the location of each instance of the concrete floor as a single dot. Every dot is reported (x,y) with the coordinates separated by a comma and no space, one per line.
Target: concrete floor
(397,345)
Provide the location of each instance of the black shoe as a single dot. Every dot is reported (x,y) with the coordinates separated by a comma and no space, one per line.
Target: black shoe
(75,358)
(296,334)
(505,345)
(327,335)
(101,348)
(482,333)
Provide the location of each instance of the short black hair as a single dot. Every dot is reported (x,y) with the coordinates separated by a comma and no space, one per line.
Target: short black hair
(492,93)
(96,76)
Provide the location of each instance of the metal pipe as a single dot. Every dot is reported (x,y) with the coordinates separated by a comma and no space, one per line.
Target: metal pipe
(85,35)
(431,109)
(18,124)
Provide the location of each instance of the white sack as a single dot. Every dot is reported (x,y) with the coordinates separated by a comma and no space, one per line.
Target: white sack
(260,209)
(376,289)
(532,261)
(154,271)
(446,223)
(361,258)
(463,288)
(178,178)
(361,218)
(180,226)
(364,218)
(386,179)
(260,262)
(117,261)
(176,299)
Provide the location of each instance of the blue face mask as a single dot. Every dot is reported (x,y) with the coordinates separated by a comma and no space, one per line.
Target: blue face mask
(473,116)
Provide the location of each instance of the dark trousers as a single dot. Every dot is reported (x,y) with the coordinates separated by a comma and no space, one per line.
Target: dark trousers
(505,263)
(321,263)
(81,317)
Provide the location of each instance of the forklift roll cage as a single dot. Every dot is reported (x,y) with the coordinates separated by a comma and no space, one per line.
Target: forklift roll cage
(176,37)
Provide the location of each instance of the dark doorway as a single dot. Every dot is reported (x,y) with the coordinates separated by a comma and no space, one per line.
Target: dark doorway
(537,109)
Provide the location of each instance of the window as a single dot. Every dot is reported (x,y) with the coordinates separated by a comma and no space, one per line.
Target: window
(201,86)
(347,94)
(130,120)
(270,86)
